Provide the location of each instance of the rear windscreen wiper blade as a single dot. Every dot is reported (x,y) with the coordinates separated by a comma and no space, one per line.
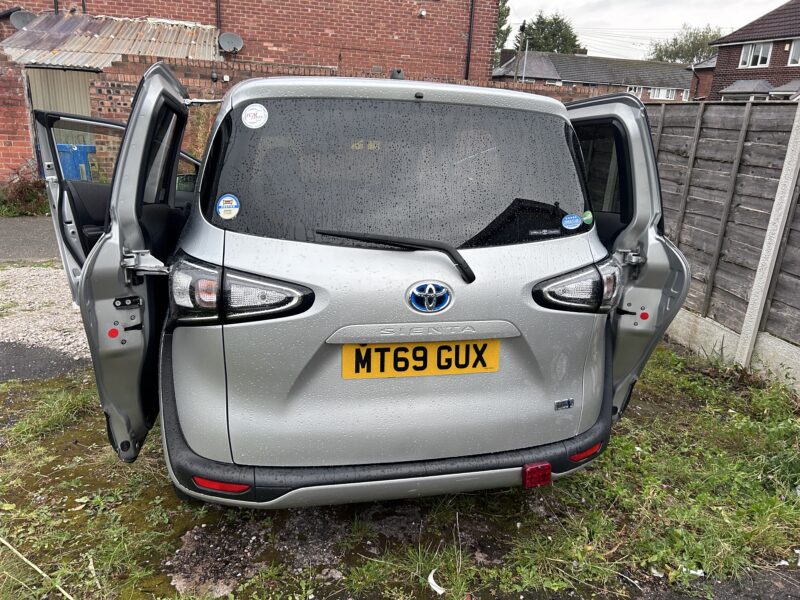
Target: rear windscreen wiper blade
(409,243)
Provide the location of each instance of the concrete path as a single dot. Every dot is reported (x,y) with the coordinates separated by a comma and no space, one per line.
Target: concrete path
(27,239)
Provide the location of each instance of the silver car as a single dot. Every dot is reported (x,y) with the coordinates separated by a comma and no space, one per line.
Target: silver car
(367,289)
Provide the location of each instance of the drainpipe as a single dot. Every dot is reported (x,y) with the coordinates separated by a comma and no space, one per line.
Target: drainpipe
(697,79)
(55,6)
(525,61)
(219,14)
(469,37)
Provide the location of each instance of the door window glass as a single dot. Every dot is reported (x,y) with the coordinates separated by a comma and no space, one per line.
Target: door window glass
(86,151)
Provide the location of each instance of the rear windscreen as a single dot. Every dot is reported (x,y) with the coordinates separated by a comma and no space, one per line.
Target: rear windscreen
(470,176)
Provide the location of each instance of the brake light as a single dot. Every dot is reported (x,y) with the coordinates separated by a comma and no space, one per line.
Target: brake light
(584,454)
(194,289)
(536,474)
(203,292)
(220,486)
(595,288)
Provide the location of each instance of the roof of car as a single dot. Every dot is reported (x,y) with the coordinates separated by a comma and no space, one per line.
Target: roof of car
(389,89)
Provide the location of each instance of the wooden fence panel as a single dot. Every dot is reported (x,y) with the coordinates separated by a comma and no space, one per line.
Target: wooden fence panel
(719,165)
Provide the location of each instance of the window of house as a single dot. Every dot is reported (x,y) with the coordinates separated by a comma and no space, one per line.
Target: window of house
(636,90)
(662,93)
(794,54)
(755,55)
(685,95)
(557,82)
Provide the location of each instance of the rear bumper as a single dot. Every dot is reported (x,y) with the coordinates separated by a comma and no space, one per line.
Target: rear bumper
(284,487)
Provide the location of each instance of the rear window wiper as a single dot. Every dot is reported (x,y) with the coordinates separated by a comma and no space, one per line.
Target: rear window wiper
(410,244)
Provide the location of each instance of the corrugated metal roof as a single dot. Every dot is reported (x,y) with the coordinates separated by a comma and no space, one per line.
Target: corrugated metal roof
(580,68)
(88,42)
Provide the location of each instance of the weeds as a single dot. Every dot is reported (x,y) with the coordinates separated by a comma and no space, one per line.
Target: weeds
(24,194)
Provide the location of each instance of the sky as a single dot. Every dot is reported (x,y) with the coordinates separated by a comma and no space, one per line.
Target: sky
(624,28)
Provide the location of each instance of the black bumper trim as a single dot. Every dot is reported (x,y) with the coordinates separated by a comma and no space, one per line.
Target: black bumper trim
(270,483)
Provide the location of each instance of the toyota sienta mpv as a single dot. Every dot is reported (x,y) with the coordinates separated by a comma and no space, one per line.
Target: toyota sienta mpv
(367,289)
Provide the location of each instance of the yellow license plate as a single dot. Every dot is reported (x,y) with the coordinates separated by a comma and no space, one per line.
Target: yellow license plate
(417,359)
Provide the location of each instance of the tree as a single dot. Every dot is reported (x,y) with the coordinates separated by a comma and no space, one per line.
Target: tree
(503,29)
(553,33)
(689,45)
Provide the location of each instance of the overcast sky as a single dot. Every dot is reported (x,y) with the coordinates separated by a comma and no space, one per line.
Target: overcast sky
(624,28)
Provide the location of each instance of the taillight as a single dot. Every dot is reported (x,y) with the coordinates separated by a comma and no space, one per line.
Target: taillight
(203,292)
(194,290)
(251,296)
(595,288)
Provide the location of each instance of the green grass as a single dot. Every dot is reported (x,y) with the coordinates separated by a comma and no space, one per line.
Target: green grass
(701,474)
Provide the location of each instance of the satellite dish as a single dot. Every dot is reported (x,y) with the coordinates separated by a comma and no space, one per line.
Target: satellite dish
(21,18)
(230,42)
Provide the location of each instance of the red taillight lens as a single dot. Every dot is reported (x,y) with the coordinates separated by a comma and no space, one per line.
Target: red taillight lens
(584,454)
(220,486)
(536,474)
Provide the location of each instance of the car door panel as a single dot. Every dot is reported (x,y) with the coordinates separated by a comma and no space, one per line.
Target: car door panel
(122,292)
(656,273)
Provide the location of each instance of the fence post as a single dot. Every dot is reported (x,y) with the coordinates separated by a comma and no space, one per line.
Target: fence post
(726,210)
(769,252)
(676,232)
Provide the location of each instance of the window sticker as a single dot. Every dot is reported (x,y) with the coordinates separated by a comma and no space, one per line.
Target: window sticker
(588,217)
(255,116)
(571,221)
(227,206)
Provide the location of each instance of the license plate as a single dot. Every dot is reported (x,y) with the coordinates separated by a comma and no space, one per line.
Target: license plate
(418,359)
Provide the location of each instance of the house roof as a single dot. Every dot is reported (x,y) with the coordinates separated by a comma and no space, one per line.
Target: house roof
(748,86)
(708,63)
(88,42)
(781,23)
(581,68)
(792,87)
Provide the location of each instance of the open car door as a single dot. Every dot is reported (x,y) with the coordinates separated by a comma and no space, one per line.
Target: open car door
(624,188)
(78,157)
(121,283)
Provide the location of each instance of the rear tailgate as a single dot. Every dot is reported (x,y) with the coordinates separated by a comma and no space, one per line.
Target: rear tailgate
(289,404)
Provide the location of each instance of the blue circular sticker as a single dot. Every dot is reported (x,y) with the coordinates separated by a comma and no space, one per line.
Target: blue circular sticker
(227,206)
(571,221)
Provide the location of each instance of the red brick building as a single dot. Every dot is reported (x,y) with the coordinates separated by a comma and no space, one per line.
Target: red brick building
(760,61)
(702,78)
(88,56)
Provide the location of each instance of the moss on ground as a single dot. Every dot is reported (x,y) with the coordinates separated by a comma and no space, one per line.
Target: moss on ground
(702,474)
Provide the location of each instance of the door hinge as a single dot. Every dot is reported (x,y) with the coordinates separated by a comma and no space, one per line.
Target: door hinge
(632,257)
(141,262)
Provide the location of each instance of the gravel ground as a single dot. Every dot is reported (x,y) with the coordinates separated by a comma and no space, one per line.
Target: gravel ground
(41,333)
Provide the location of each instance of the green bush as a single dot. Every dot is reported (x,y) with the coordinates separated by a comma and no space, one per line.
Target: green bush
(23,195)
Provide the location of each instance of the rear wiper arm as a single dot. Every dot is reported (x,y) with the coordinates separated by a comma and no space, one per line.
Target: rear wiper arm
(409,243)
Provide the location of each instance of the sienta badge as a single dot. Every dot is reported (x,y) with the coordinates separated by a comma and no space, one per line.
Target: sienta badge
(227,206)
(571,221)
(255,116)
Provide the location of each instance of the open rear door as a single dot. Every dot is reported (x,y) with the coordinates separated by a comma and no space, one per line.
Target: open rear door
(78,156)
(122,290)
(622,180)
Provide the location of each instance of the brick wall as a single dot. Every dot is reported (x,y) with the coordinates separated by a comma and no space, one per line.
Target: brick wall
(16,146)
(727,70)
(363,35)
(701,83)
